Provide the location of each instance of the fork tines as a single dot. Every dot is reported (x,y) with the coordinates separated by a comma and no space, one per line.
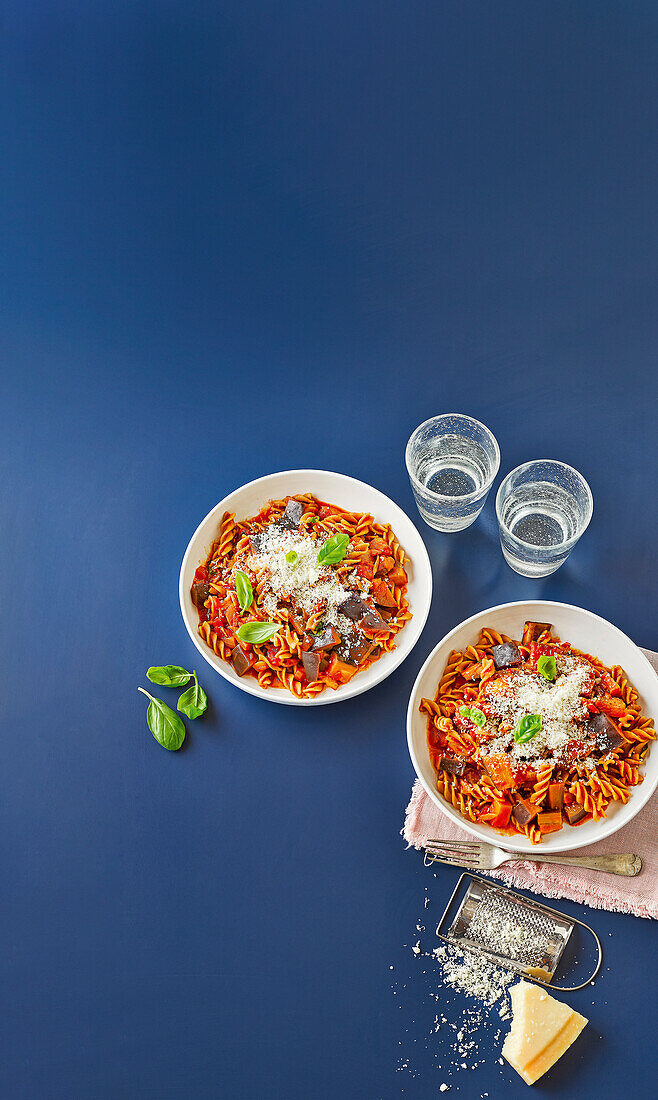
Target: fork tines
(456,853)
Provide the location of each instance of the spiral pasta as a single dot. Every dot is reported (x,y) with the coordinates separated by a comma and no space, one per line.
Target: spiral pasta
(330,617)
(533,735)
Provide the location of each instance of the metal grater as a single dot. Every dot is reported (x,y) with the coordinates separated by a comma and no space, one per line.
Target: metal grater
(521,935)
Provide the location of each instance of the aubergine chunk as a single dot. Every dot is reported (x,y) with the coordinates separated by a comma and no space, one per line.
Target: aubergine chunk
(523,812)
(239,660)
(355,648)
(199,592)
(292,515)
(372,621)
(327,639)
(311,662)
(452,765)
(605,732)
(531,631)
(506,655)
(353,608)
(575,813)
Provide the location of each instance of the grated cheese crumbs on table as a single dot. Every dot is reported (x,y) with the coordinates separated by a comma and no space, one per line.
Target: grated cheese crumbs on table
(480,1002)
(475,975)
(559,702)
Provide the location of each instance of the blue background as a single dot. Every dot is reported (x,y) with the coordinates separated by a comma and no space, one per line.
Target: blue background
(238,238)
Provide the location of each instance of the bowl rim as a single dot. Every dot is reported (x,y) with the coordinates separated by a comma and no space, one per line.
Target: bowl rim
(640,794)
(421,562)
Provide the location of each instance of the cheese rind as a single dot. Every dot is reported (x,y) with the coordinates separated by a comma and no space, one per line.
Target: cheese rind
(542,1030)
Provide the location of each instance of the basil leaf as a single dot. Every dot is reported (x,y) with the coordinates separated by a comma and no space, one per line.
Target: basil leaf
(165,725)
(244,590)
(333,550)
(168,675)
(313,519)
(255,633)
(547,667)
(474,714)
(527,728)
(194,701)
(291,557)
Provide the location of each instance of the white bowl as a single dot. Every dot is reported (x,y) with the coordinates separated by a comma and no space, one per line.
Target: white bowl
(349,494)
(585,631)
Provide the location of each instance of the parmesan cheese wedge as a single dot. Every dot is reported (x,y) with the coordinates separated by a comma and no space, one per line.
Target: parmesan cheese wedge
(542,1029)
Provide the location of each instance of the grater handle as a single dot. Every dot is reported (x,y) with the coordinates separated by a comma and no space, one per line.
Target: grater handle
(628,865)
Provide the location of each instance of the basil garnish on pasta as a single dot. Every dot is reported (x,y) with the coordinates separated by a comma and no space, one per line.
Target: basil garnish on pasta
(333,550)
(547,667)
(245,592)
(474,713)
(257,632)
(527,727)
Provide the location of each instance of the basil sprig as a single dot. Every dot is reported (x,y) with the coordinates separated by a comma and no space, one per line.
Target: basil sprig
(194,701)
(527,727)
(168,675)
(244,590)
(165,725)
(474,714)
(255,632)
(291,557)
(547,667)
(333,550)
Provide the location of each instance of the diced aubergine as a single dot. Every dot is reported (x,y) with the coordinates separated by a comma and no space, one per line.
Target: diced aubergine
(327,639)
(452,766)
(311,662)
(292,515)
(506,655)
(605,731)
(523,812)
(531,631)
(372,621)
(575,813)
(353,608)
(199,592)
(240,661)
(296,624)
(354,648)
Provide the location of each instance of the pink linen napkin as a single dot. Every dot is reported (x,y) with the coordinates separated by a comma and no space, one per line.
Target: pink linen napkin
(637,895)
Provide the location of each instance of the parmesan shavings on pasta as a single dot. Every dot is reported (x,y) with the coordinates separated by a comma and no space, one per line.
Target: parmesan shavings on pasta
(559,703)
(303,581)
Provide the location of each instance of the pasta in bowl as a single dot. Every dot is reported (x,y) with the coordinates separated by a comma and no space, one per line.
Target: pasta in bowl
(305,587)
(533,723)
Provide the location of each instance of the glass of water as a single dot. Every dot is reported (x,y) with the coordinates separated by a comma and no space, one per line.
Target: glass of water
(452,461)
(543,507)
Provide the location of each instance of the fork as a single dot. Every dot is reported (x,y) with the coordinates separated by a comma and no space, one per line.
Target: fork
(486,857)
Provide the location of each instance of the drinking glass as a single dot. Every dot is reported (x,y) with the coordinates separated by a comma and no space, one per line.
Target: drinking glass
(452,461)
(543,507)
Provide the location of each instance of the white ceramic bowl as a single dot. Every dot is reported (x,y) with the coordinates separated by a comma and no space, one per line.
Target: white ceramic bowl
(587,632)
(347,493)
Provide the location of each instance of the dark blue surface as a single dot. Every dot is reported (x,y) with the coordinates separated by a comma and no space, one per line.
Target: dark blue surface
(249,237)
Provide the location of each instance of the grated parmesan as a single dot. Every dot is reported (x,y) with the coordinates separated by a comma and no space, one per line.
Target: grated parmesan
(309,585)
(559,703)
